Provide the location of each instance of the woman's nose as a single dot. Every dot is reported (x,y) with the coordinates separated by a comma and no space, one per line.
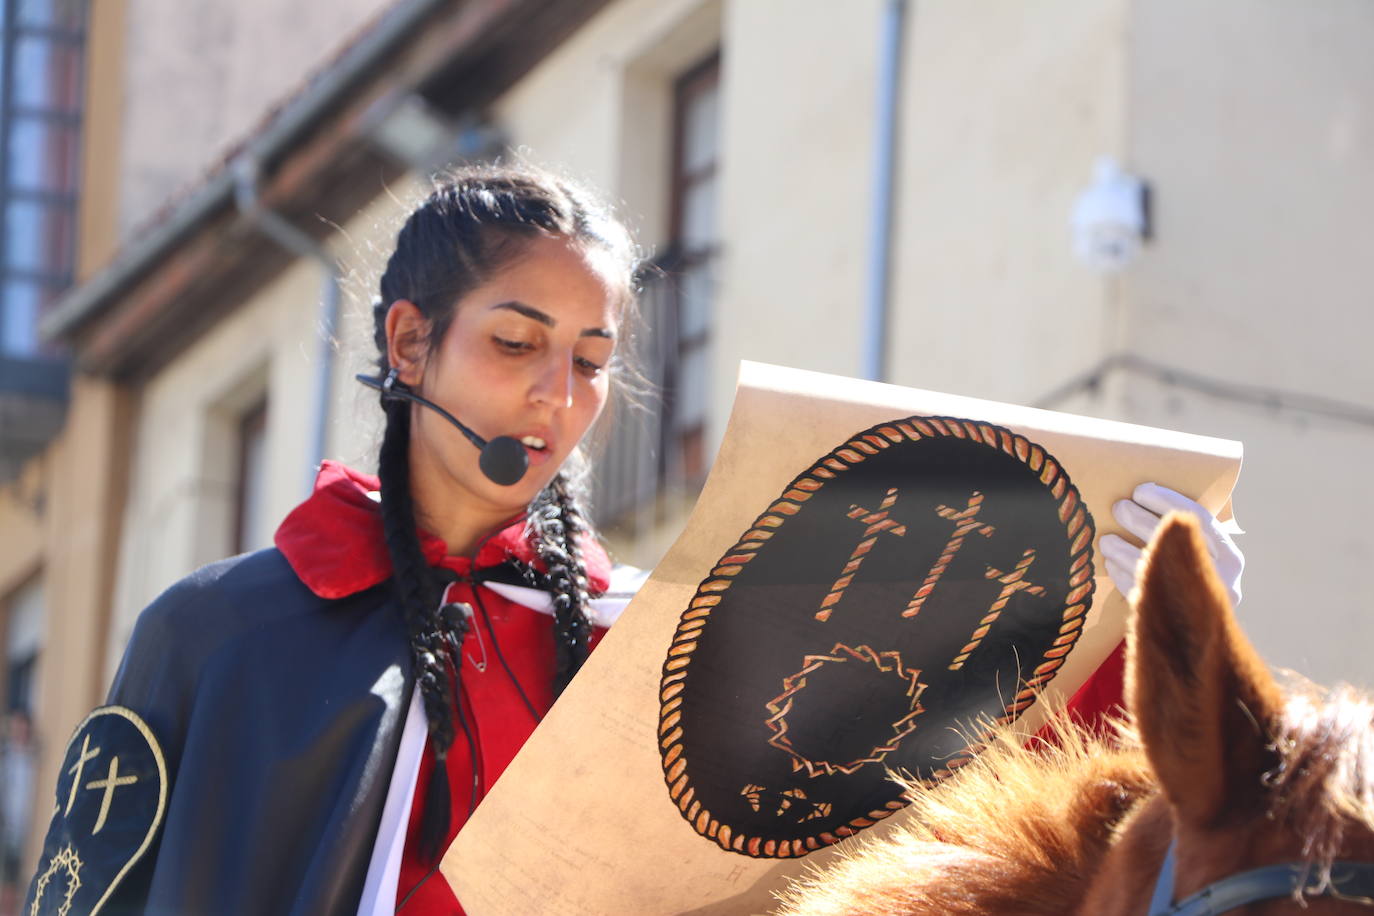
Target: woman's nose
(554,385)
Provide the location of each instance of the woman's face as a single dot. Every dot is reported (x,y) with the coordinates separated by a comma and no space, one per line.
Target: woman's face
(527,355)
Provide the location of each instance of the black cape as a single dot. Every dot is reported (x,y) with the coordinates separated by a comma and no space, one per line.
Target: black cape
(277,714)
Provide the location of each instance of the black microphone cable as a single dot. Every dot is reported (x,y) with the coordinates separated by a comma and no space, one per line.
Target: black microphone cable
(477,584)
(504,460)
(500,656)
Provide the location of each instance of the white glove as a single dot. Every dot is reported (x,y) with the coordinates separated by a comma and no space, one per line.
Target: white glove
(1140,516)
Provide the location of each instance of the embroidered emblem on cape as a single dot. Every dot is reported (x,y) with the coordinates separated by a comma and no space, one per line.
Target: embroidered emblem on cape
(926,573)
(111,798)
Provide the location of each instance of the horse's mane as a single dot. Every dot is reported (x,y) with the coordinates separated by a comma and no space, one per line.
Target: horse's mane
(1015,830)
(1023,829)
(1324,781)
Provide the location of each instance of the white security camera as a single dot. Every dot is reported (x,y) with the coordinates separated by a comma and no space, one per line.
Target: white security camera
(1110,218)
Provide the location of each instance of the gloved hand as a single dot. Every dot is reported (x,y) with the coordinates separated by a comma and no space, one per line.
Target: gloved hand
(1140,516)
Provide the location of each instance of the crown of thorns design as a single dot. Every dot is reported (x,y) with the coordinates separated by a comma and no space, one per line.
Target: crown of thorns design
(887,664)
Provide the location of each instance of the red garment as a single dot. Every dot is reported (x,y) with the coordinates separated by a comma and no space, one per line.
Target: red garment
(1103,693)
(334,542)
(1100,696)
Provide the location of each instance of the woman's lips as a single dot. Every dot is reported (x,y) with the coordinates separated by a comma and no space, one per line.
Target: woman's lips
(537,448)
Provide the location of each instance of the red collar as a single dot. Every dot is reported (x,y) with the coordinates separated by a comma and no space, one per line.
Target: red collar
(335,543)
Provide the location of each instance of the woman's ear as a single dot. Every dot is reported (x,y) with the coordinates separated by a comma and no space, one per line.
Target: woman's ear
(407,340)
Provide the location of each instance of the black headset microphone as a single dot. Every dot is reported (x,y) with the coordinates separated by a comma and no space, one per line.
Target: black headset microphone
(504,460)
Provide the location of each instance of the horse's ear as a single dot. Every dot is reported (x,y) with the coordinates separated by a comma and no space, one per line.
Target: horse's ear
(1203,699)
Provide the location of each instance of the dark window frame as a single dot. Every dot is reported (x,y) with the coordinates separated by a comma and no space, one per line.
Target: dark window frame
(61,116)
(701,77)
(252,426)
(686,444)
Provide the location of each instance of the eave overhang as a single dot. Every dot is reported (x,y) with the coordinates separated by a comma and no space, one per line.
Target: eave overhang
(317,165)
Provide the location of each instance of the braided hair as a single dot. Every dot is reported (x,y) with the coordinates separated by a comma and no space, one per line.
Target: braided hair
(475,222)
(557,521)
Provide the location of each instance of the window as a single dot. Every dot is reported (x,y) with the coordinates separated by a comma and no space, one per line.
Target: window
(656,461)
(41,64)
(686,312)
(250,490)
(23,643)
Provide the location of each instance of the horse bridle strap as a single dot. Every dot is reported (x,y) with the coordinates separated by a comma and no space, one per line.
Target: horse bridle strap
(1352,881)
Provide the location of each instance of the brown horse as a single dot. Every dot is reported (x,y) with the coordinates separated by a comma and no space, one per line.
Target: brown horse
(1217,763)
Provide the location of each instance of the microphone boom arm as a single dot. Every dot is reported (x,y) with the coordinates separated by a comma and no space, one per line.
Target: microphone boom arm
(503,459)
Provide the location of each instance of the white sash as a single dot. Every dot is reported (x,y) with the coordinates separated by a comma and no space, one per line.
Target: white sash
(384,869)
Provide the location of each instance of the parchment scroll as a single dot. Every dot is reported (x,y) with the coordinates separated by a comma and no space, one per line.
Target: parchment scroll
(868,570)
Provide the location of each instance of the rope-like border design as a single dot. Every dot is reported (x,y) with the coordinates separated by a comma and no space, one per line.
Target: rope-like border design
(1073,514)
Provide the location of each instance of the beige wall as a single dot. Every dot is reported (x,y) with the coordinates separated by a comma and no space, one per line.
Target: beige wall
(201,76)
(86,468)
(984,197)
(995,145)
(22,506)
(1260,270)
(1255,275)
(1005,108)
(599,107)
(181,491)
(102,131)
(1256,126)
(797,112)
(180,512)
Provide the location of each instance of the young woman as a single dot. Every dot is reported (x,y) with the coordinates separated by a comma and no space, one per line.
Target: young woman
(330,711)
(316,721)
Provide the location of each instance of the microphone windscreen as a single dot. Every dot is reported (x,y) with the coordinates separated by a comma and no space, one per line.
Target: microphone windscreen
(504,460)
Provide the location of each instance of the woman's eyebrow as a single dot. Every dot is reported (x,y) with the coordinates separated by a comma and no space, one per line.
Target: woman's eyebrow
(528,311)
(548,320)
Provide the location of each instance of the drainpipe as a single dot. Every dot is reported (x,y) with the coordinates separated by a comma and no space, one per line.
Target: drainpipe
(879,282)
(273,225)
(90,298)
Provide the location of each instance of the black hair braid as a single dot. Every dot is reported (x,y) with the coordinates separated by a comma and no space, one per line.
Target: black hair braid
(476,222)
(557,521)
(419,590)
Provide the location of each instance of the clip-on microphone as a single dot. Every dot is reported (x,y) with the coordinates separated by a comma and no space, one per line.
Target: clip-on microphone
(503,460)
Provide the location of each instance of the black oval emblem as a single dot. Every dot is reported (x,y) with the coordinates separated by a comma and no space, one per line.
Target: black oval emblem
(929,571)
(111,800)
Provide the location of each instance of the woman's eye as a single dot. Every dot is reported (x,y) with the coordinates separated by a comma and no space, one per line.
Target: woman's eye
(513,346)
(587,366)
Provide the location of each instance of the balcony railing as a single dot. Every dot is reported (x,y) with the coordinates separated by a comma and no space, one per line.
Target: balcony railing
(654,450)
(33,404)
